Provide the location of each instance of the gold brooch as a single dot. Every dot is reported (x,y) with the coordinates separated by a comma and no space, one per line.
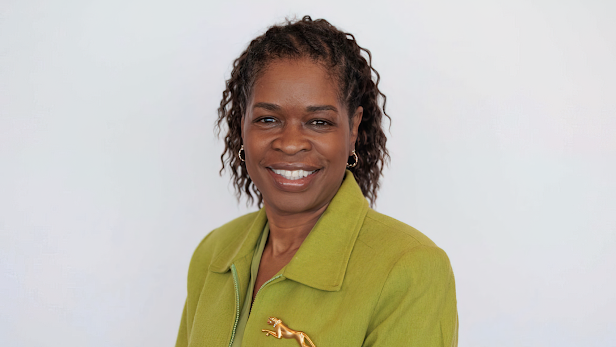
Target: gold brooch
(284,331)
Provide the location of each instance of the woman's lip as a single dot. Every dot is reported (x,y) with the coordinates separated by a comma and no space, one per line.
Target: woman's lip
(293,186)
(292,166)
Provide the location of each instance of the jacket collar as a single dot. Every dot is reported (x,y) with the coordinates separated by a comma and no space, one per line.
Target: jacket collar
(242,246)
(322,259)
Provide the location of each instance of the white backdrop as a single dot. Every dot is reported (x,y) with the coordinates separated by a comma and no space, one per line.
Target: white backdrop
(503,152)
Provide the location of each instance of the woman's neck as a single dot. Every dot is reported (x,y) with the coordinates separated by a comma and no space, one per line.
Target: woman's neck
(288,231)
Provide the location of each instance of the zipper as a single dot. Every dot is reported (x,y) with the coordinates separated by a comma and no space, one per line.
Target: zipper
(237,302)
(264,284)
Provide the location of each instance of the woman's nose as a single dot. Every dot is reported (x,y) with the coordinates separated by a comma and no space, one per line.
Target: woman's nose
(291,140)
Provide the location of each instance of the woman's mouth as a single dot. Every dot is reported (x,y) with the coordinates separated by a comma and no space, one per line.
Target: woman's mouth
(293,175)
(293,181)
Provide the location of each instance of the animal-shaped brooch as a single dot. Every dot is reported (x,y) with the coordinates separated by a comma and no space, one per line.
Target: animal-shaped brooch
(281,330)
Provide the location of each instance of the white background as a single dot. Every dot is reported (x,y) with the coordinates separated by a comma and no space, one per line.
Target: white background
(503,152)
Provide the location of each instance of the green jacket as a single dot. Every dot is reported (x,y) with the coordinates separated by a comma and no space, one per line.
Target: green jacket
(359,279)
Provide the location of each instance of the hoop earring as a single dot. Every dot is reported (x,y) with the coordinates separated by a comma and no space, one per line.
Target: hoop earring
(356,160)
(239,153)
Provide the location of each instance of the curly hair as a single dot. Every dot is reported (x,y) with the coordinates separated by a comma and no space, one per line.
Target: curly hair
(342,56)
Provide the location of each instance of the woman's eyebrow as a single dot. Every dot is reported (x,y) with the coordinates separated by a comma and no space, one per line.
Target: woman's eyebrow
(267,106)
(321,108)
(311,109)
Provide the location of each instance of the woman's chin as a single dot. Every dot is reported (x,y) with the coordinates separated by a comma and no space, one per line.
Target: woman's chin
(294,204)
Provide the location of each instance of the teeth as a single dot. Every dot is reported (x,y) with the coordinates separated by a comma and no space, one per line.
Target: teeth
(293,175)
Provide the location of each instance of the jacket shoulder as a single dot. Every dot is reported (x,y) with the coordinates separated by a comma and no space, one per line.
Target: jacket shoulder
(218,240)
(398,231)
(227,232)
(392,238)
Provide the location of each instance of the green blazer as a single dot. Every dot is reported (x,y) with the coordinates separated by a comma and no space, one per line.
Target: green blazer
(359,279)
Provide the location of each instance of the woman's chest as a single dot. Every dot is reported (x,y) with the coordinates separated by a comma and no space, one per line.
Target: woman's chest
(328,318)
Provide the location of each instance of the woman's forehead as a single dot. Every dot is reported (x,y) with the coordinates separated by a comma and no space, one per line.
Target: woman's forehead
(295,81)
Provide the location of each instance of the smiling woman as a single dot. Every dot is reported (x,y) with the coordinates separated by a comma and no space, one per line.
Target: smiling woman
(315,262)
(295,121)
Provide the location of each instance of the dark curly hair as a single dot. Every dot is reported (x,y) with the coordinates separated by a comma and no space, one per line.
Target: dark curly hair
(340,53)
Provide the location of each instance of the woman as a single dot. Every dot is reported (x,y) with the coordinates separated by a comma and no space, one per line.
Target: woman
(316,265)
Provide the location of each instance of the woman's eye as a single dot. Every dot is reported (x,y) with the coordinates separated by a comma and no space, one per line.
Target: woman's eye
(319,122)
(266,120)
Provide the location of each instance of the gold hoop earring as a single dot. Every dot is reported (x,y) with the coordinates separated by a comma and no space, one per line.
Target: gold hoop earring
(239,153)
(355,161)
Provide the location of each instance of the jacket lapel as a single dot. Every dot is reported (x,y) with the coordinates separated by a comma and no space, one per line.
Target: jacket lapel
(242,247)
(322,259)
(240,254)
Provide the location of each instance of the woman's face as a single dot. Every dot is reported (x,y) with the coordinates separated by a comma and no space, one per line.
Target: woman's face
(297,137)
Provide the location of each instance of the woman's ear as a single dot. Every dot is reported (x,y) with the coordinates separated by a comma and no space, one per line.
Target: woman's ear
(355,121)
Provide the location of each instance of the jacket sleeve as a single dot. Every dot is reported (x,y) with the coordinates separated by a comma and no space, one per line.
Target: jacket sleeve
(417,305)
(194,282)
(182,340)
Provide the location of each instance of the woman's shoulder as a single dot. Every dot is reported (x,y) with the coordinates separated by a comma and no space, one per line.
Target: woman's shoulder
(413,280)
(384,227)
(229,231)
(393,239)
(223,237)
